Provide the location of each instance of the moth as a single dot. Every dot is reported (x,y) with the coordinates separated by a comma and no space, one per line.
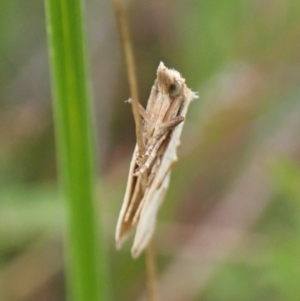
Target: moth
(149,172)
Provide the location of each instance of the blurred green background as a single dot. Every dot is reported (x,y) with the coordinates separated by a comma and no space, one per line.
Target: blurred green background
(230,225)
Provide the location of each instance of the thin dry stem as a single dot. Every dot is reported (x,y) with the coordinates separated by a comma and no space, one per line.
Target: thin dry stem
(128,53)
(151,272)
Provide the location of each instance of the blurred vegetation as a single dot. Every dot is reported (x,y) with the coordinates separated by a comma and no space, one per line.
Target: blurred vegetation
(229,227)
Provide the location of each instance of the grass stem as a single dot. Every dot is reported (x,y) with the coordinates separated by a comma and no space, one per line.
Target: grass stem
(86,270)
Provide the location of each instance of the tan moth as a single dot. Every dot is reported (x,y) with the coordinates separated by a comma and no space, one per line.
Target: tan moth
(149,173)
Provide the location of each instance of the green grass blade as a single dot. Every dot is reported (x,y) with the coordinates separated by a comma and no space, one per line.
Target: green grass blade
(85,266)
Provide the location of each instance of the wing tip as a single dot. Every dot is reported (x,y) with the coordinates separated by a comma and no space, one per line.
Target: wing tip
(135,253)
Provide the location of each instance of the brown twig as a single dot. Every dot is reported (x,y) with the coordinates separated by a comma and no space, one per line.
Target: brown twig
(151,272)
(128,53)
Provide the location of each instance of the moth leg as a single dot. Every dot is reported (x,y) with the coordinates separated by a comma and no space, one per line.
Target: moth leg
(152,152)
(172,123)
(155,144)
(154,170)
(164,128)
(144,114)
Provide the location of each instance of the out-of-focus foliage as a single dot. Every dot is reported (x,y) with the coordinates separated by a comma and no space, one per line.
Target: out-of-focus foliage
(267,269)
(229,227)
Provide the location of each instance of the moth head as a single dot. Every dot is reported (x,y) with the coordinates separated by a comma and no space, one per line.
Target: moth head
(169,81)
(175,88)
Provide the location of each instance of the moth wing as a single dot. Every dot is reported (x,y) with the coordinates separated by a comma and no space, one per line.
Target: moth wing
(154,197)
(124,228)
(155,194)
(147,221)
